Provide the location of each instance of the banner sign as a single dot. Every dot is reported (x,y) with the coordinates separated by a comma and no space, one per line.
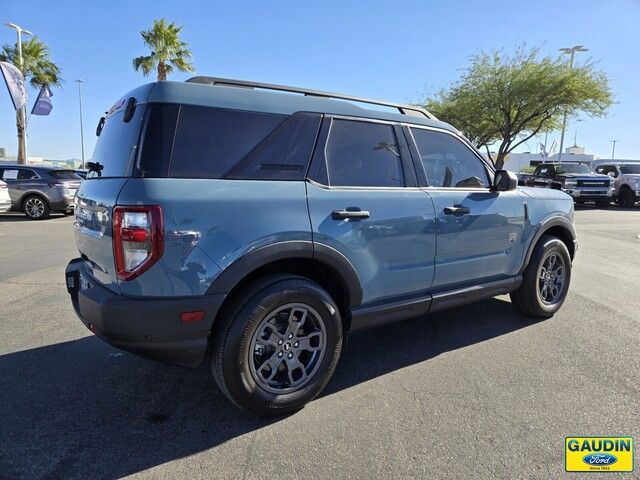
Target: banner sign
(43,105)
(15,83)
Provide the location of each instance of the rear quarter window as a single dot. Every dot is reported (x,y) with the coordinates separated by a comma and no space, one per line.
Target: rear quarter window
(65,175)
(184,141)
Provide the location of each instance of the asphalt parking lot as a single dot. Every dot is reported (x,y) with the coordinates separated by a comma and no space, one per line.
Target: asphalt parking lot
(478,391)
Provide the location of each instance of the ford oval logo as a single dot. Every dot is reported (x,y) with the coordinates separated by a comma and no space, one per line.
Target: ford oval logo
(599,459)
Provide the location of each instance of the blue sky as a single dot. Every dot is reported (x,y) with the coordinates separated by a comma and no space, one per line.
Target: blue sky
(392,50)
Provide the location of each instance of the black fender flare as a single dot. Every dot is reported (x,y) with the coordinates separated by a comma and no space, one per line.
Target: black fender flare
(289,250)
(555,221)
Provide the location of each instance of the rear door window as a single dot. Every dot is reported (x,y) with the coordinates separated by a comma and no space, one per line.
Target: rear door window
(27,174)
(363,154)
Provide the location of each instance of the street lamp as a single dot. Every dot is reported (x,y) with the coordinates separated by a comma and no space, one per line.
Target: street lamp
(80,82)
(22,113)
(570,51)
(613,151)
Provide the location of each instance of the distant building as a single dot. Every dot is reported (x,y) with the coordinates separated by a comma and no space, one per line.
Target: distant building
(517,161)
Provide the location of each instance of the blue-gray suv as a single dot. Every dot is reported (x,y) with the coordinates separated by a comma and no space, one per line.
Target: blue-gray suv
(254,226)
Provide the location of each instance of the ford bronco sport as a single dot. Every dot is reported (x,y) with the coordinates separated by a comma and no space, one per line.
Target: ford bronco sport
(254,226)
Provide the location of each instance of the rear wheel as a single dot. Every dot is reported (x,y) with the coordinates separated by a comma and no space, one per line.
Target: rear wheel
(35,207)
(546,279)
(278,345)
(626,198)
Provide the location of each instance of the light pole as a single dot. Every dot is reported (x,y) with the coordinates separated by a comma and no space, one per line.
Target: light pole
(22,113)
(613,150)
(571,51)
(79,82)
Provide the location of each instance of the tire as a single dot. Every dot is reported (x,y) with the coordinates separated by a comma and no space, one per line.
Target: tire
(530,297)
(626,198)
(36,208)
(256,332)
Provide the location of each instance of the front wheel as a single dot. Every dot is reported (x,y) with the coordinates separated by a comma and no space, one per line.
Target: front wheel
(277,346)
(546,279)
(627,198)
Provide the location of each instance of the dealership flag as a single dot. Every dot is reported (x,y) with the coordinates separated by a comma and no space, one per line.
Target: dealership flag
(43,103)
(15,83)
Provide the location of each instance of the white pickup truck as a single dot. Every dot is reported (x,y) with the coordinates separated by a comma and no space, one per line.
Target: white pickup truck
(626,181)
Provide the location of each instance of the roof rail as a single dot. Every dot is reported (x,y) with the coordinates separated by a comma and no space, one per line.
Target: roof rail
(403,109)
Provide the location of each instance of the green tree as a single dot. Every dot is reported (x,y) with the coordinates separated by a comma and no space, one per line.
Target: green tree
(38,69)
(167,50)
(509,100)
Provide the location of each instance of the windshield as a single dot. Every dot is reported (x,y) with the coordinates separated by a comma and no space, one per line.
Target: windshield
(630,169)
(572,168)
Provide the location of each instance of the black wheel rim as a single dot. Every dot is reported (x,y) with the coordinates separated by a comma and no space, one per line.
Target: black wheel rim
(287,348)
(551,278)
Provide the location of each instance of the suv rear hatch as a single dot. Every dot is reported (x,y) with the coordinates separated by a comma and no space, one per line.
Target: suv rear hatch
(108,171)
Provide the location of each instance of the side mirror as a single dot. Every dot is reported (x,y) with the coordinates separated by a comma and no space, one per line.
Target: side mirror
(504,181)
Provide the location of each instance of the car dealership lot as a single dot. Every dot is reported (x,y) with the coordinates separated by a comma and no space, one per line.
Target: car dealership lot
(476,389)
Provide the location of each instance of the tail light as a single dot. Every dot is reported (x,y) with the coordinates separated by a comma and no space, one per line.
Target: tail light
(138,239)
(56,185)
(3,185)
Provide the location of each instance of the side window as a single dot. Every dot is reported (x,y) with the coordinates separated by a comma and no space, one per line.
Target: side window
(10,174)
(448,162)
(209,142)
(601,170)
(363,154)
(24,174)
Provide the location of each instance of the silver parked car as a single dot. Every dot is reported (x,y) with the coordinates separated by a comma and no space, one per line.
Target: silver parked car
(37,191)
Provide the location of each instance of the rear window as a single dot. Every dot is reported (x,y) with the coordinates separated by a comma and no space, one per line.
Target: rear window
(116,146)
(65,175)
(203,142)
(630,169)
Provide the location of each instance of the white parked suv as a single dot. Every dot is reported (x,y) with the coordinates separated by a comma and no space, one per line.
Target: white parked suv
(5,200)
(626,181)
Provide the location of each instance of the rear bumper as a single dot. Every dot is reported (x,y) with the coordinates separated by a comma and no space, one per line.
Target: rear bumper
(65,203)
(5,206)
(150,328)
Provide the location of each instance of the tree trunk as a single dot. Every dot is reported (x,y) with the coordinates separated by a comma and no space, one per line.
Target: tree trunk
(499,161)
(22,145)
(162,72)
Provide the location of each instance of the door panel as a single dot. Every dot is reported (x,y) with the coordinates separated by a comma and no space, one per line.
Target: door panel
(484,243)
(392,250)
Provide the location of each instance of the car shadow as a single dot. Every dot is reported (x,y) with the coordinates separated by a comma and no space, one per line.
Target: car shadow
(82,409)
(10,217)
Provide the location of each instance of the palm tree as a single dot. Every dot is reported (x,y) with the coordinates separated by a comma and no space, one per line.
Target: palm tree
(167,50)
(38,69)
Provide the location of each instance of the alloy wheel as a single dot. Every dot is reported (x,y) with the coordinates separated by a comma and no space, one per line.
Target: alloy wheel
(551,278)
(287,348)
(34,207)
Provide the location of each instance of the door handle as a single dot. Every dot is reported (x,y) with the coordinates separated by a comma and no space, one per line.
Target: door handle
(457,210)
(342,214)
